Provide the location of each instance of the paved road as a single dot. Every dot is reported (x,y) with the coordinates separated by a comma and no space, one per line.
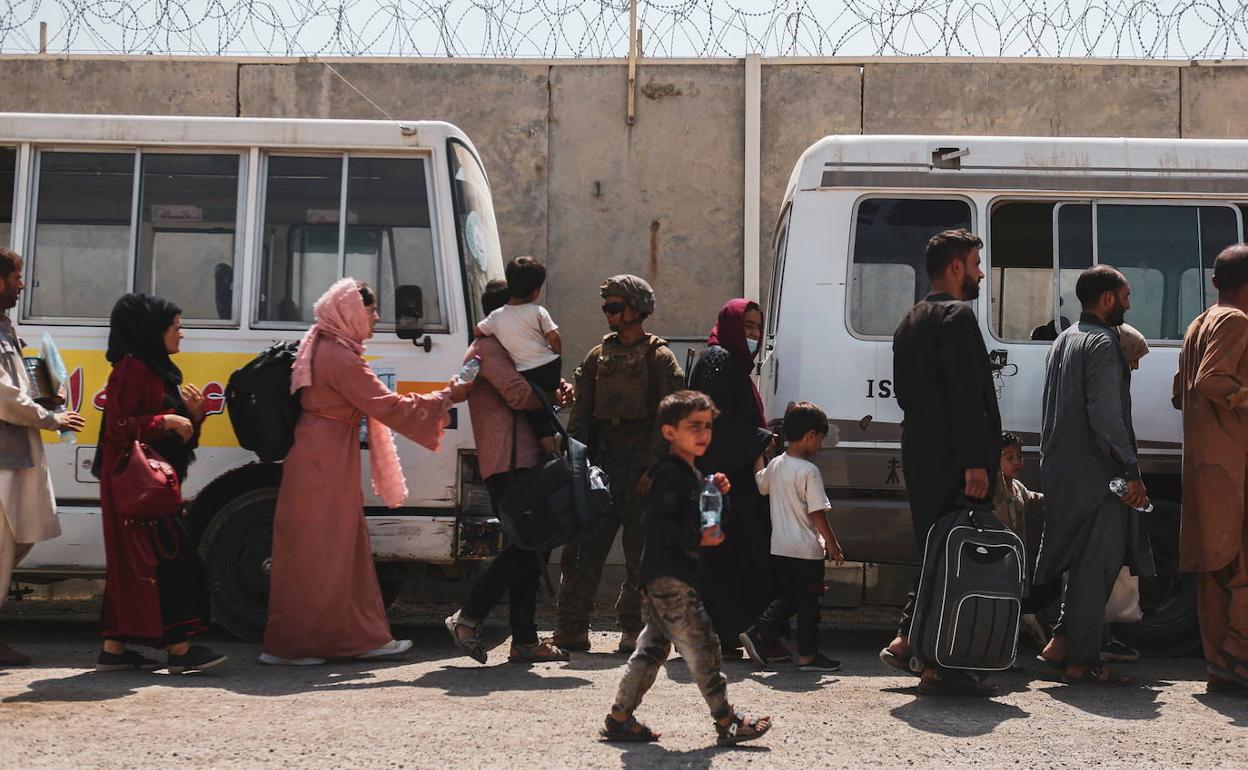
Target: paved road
(433,709)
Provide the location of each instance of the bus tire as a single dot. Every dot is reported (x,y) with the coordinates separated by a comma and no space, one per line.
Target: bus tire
(1169,627)
(236,546)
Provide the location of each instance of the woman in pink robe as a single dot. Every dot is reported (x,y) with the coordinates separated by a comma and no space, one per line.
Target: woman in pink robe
(324,601)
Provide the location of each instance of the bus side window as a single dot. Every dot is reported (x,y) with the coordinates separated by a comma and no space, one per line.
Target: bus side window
(888,274)
(388,199)
(386,240)
(8,177)
(188,226)
(80,249)
(1021,276)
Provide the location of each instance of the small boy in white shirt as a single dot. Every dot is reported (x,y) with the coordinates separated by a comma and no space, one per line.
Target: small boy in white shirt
(801,540)
(531,337)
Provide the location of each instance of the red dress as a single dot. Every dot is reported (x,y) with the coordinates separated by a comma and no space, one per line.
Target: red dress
(144,603)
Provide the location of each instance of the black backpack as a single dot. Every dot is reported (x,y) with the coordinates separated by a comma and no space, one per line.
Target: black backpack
(562,502)
(262,409)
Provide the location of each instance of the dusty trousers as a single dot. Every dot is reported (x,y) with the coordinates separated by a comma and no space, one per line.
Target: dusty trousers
(1222,604)
(675,616)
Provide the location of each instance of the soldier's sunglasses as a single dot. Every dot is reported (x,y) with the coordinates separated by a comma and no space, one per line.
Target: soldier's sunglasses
(614,308)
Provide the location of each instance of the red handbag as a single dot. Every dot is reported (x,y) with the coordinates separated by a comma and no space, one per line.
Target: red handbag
(145,486)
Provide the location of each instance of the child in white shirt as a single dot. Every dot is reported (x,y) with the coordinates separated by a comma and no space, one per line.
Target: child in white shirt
(801,540)
(528,333)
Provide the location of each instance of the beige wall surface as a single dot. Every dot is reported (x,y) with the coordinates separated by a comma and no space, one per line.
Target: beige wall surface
(580,188)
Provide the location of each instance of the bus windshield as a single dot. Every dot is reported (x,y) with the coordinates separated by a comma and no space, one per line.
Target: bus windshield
(479,251)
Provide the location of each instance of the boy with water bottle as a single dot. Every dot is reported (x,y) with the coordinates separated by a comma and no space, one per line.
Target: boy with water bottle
(801,540)
(673,613)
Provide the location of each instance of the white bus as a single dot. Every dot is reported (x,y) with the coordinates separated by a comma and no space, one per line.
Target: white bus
(849,249)
(244,223)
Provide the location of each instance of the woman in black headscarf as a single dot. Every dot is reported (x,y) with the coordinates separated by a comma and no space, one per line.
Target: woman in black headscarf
(155,592)
(736,576)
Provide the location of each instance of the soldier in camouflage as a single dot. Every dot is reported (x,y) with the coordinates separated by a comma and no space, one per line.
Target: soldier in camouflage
(618,390)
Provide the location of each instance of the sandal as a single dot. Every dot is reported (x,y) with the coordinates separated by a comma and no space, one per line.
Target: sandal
(741,729)
(470,645)
(628,731)
(1099,674)
(893,660)
(1230,672)
(1059,665)
(538,652)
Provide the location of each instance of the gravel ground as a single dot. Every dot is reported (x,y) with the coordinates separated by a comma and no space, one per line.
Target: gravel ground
(434,709)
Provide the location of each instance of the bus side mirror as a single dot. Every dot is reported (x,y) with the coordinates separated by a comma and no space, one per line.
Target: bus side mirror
(409,308)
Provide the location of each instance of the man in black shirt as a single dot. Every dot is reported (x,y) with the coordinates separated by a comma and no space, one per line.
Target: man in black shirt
(951,433)
(672,611)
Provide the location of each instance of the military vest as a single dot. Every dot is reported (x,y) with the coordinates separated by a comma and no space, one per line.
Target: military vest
(624,380)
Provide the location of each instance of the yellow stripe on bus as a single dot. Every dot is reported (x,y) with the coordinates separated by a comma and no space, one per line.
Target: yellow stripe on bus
(209,372)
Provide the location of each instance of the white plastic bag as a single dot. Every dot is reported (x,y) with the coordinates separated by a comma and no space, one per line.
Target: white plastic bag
(1124,601)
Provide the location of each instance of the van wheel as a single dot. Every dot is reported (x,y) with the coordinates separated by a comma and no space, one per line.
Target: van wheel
(1169,627)
(236,547)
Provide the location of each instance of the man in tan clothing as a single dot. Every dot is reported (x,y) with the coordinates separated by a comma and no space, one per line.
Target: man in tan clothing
(27,506)
(1211,387)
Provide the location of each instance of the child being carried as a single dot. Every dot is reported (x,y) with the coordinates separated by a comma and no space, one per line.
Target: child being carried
(528,333)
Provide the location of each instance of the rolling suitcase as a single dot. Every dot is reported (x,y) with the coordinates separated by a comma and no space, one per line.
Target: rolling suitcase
(969,601)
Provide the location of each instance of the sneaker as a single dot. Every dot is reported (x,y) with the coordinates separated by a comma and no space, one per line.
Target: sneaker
(273,660)
(820,663)
(1114,650)
(628,642)
(757,644)
(196,658)
(392,647)
(124,661)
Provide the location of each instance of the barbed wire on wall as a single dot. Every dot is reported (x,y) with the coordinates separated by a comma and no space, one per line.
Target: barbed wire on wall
(1179,29)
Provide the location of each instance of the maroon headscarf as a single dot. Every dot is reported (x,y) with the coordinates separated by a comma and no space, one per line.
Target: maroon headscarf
(729,334)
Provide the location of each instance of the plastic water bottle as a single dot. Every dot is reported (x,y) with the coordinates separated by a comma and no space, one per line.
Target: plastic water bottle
(1119,487)
(711,502)
(470,370)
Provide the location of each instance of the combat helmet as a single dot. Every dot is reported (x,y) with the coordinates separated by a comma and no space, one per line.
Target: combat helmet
(635,291)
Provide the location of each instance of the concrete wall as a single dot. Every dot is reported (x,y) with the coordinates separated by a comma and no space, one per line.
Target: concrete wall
(577,186)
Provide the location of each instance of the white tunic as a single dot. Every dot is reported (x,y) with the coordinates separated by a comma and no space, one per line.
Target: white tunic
(26,497)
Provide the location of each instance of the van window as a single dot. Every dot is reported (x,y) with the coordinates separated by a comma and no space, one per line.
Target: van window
(777,272)
(1021,276)
(188,226)
(890,239)
(1162,250)
(80,248)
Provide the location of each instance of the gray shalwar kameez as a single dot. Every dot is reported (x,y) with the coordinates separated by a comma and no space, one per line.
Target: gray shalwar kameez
(1086,440)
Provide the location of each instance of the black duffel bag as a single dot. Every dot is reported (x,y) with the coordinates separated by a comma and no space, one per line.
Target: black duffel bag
(562,502)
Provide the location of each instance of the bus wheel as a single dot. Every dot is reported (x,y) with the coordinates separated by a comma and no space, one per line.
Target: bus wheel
(1169,627)
(237,546)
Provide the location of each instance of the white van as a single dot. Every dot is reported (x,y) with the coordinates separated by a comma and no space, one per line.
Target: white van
(849,248)
(244,223)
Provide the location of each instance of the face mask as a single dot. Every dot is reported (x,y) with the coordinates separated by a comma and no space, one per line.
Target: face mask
(751,345)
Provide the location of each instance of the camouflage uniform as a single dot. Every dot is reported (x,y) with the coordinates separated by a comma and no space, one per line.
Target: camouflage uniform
(618,390)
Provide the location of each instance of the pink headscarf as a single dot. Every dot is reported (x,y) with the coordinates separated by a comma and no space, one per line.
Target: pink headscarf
(341,318)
